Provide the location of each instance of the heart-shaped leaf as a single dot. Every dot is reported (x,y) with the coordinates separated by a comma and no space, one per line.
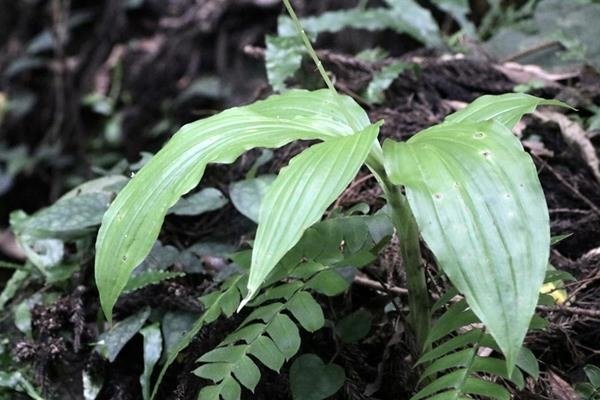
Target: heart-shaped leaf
(311,379)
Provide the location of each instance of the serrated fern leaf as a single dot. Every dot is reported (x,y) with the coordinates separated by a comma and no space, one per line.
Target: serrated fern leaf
(284,52)
(268,335)
(456,367)
(311,266)
(217,303)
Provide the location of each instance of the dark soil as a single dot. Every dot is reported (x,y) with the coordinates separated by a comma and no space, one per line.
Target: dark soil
(163,48)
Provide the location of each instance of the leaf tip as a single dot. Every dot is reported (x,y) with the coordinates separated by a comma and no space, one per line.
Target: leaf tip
(246,299)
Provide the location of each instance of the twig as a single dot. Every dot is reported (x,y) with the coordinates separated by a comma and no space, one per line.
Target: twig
(571,310)
(567,211)
(583,285)
(352,187)
(531,50)
(572,188)
(366,282)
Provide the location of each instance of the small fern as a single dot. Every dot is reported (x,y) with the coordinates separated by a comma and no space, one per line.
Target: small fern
(223,301)
(456,368)
(268,334)
(310,265)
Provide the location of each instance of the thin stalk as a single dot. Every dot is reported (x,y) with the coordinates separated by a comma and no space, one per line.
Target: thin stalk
(318,63)
(410,251)
(404,221)
(308,45)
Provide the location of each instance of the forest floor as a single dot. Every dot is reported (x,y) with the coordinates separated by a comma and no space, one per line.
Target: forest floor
(168,49)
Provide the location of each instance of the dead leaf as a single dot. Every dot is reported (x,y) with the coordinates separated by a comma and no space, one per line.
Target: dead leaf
(575,137)
(560,388)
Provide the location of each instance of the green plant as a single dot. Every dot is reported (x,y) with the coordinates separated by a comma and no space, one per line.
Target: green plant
(471,193)
(459,361)
(590,390)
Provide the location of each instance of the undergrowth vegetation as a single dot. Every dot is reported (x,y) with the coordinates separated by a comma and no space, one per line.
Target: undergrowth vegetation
(472,193)
(463,193)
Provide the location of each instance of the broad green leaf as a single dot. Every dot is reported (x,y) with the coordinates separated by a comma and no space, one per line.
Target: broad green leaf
(283,57)
(403,16)
(267,352)
(383,79)
(284,52)
(451,380)
(111,342)
(311,379)
(480,208)
(206,200)
(328,282)
(507,108)
(593,374)
(300,195)
(355,326)
(306,311)
(527,361)
(485,388)
(285,335)
(12,286)
(246,371)
(152,351)
(75,213)
(247,195)
(133,221)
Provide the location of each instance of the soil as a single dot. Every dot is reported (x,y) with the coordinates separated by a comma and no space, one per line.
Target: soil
(163,48)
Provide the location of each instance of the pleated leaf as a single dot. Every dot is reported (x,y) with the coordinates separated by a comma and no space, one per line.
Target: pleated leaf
(300,195)
(480,208)
(133,221)
(507,108)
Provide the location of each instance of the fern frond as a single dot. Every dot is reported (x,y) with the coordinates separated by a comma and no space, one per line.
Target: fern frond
(223,301)
(456,368)
(268,335)
(310,265)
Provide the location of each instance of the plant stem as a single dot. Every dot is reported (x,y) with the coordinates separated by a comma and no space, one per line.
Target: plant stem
(319,64)
(404,221)
(408,235)
(308,45)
